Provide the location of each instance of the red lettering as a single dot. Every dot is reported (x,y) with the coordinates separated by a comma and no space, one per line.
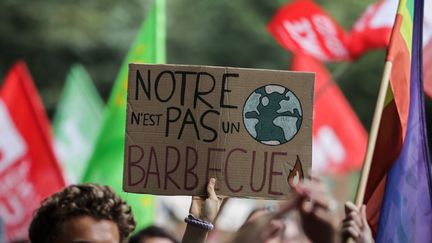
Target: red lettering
(252,172)
(168,172)
(135,164)
(156,172)
(272,172)
(214,168)
(226,170)
(12,210)
(189,171)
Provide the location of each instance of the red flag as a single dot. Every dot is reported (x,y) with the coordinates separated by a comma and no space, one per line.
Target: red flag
(372,30)
(303,27)
(427,64)
(29,171)
(339,139)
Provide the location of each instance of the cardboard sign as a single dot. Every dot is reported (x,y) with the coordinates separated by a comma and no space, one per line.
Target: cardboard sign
(247,128)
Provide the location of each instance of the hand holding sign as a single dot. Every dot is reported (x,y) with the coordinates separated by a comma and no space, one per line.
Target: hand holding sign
(206,208)
(202,209)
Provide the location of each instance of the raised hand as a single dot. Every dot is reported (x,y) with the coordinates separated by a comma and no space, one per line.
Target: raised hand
(206,208)
(355,224)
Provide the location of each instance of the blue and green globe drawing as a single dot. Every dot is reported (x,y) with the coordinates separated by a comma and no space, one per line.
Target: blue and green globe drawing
(272,115)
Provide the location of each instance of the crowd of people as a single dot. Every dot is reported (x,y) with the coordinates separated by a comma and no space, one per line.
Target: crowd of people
(91,213)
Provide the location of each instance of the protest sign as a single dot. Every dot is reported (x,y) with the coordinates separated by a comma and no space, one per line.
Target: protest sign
(250,129)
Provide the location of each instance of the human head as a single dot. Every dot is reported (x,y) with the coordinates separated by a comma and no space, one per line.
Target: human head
(89,207)
(152,234)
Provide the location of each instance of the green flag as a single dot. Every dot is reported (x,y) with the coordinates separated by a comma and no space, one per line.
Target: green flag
(77,122)
(106,163)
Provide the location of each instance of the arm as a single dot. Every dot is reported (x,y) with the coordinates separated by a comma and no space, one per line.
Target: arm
(204,209)
(194,235)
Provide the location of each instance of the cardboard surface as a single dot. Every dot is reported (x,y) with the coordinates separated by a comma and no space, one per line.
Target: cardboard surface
(247,128)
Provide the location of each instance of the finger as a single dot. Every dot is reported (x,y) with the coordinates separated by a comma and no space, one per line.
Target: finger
(297,188)
(307,206)
(356,218)
(363,216)
(286,207)
(352,232)
(210,189)
(351,224)
(302,189)
(349,206)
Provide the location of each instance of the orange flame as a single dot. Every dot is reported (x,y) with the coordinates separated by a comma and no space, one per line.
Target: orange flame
(296,174)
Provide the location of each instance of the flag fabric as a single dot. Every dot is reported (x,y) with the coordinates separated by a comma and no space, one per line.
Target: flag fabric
(106,163)
(303,27)
(29,171)
(398,192)
(77,122)
(372,30)
(339,139)
(427,59)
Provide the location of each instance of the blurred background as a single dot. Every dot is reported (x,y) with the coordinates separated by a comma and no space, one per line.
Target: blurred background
(52,35)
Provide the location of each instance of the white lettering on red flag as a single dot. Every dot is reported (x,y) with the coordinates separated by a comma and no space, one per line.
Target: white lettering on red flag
(303,27)
(28,168)
(12,145)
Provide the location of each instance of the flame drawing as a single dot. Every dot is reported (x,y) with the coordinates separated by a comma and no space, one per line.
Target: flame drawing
(296,174)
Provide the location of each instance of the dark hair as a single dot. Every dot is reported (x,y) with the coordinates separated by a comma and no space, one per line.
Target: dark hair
(97,201)
(149,232)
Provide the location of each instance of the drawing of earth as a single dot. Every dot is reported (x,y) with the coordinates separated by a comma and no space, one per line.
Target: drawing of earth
(272,115)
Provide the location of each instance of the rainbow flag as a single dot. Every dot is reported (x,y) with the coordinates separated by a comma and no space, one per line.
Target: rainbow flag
(398,193)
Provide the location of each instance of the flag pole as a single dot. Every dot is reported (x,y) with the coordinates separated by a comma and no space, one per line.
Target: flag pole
(359,197)
(373,134)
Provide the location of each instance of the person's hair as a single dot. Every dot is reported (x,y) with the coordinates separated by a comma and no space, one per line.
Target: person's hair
(97,201)
(150,232)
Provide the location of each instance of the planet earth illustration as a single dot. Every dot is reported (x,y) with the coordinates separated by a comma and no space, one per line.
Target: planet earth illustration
(272,115)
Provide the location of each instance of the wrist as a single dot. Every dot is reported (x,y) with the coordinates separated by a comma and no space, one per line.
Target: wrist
(198,223)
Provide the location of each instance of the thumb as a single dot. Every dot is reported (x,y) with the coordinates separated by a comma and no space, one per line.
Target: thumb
(350,207)
(210,189)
